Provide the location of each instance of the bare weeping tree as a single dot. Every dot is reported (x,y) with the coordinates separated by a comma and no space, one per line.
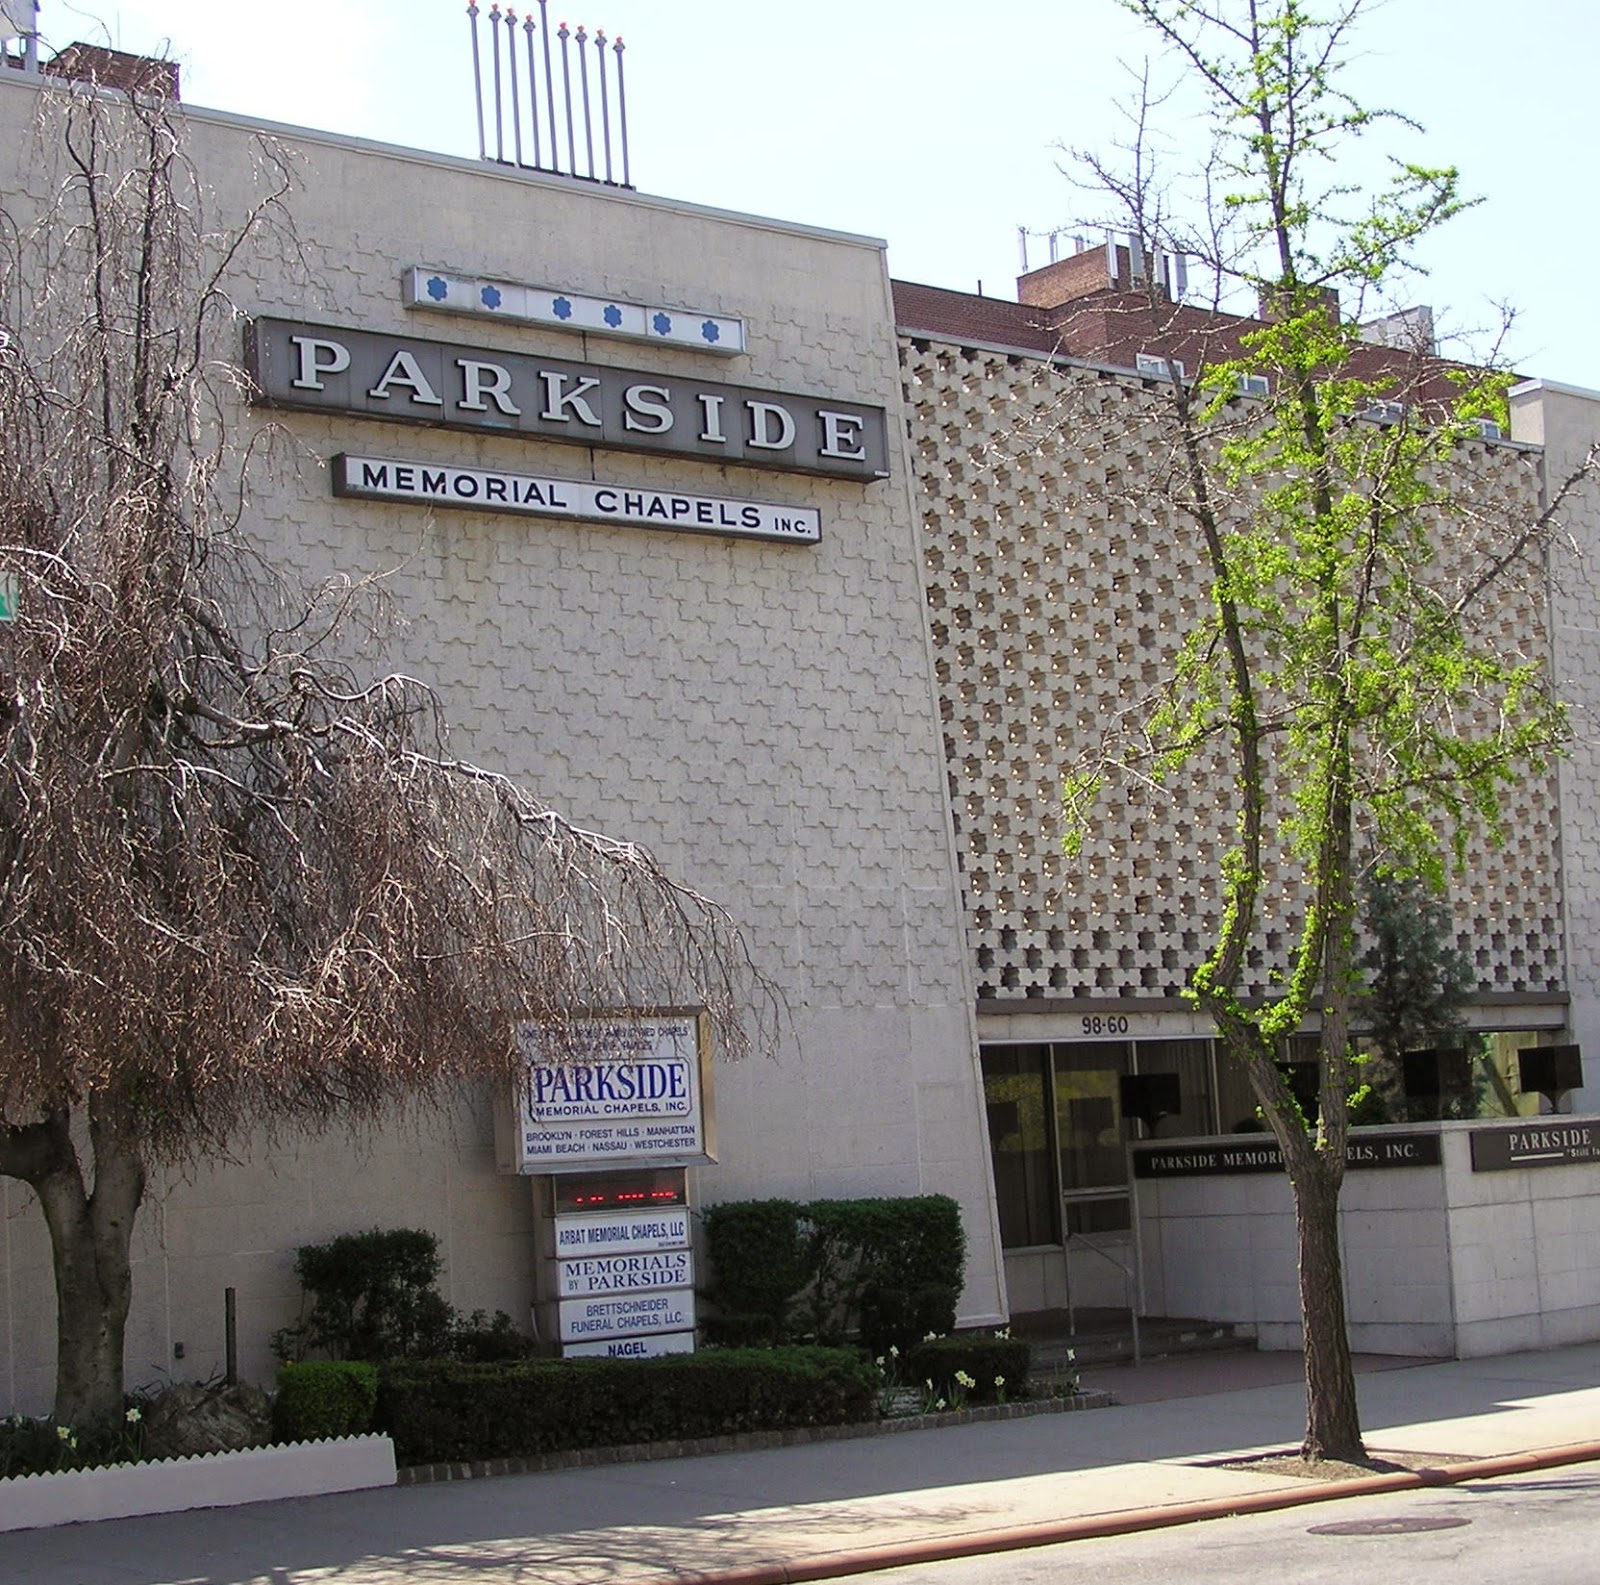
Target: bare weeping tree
(240,886)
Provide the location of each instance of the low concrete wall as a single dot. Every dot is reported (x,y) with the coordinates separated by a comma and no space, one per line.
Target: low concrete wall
(1440,1260)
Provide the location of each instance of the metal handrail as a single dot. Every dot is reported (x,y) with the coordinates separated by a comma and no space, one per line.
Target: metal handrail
(1130,1282)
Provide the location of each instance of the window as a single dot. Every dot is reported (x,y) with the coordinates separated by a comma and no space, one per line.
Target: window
(1057,1132)
(1093,1163)
(1158,367)
(1016,1096)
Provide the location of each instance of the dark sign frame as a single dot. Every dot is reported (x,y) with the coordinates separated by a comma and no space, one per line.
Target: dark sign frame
(1260,1153)
(404,379)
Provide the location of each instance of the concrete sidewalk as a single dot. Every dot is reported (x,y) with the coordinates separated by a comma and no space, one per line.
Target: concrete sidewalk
(820,1505)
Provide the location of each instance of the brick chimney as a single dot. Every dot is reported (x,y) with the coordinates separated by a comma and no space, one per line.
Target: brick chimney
(1083,274)
(106,68)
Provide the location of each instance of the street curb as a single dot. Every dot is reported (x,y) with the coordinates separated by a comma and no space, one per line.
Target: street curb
(869,1560)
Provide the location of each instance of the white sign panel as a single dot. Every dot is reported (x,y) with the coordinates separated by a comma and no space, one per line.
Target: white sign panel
(638,1101)
(566,310)
(672,1268)
(626,1315)
(618,1233)
(540,495)
(632,1347)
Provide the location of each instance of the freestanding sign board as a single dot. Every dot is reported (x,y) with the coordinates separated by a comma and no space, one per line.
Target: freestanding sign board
(634,1095)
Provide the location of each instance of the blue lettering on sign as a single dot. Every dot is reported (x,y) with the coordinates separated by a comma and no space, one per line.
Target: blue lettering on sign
(611,1082)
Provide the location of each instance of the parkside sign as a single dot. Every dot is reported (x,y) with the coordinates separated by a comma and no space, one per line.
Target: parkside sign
(632,1096)
(404,379)
(672,1268)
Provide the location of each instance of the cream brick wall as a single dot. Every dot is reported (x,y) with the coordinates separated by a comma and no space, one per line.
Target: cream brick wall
(761,716)
(1059,590)
(1565,420)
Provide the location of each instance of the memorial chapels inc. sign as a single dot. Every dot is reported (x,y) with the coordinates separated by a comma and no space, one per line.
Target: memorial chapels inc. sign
(405,379)
(633,1093)
(1261,1154)
(543,495)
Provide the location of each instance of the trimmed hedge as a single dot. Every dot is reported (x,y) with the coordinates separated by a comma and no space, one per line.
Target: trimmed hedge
(978,1356)
(324,1397)
(375,1298)
(886,1270)
(445,1411)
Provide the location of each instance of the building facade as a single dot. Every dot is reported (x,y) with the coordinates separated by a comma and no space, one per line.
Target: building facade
(815,585)
(758,712)
(1059,585)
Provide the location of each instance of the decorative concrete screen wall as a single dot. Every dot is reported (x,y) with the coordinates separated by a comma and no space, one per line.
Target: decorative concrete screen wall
(1465,1253)
(1059,582)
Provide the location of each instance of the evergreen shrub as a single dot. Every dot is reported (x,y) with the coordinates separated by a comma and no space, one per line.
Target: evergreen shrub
(981,1357)
(373,1298)
(324,1398)
(888,1271)
(447,1411)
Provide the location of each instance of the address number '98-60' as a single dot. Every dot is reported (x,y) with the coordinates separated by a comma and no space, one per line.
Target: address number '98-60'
(1106,1024)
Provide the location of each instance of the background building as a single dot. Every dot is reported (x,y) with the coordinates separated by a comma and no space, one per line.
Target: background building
(1058,587)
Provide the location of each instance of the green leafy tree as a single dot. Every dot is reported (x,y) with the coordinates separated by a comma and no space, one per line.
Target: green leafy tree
(1343,665)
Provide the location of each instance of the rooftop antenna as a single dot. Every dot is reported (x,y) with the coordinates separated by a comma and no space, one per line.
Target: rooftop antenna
(526,125)
(19,35)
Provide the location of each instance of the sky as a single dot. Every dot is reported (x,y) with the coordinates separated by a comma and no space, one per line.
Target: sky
(942,127)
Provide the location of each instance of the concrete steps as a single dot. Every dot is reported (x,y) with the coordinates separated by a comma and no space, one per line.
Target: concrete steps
(1102,1337)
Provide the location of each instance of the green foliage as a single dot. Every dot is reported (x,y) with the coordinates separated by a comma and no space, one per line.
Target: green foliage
(374,1298)
(324,1398)
(441,1411)
(1418,981)
(996,1367)
(1350,663)
(888,1270)
(1350,680)
(483,1338)
(759,1255)
(46,1447)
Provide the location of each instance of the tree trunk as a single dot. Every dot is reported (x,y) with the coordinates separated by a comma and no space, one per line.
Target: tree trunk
(1333,1420)
(91,1233)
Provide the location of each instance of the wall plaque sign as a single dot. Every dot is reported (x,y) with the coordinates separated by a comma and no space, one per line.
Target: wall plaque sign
(1260,1153)
(626,1315)
(634,1095)
(541,495)
(623,1232)
(1548,1142)
(564,310)
(671,1268)
(488,390)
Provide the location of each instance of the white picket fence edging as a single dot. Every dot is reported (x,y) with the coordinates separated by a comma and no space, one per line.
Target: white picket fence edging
(210,1480)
